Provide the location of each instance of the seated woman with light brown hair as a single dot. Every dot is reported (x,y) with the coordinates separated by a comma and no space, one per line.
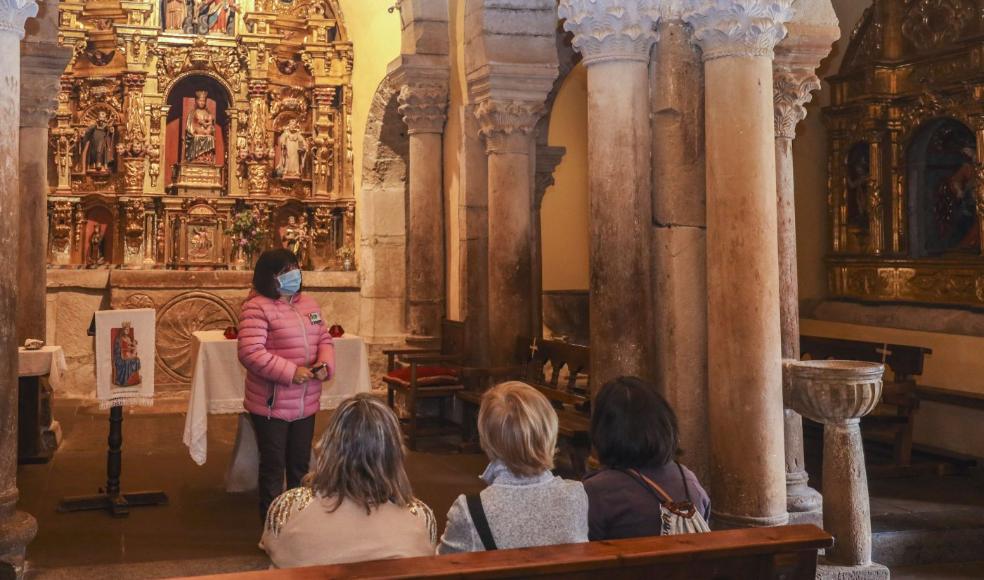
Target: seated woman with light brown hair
(356,503)
(524,504)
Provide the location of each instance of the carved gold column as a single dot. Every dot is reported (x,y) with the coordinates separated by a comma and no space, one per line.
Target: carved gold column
(615,47)
(507,126)
(876,198)
(899,223)
(133,146)
(794,80)
(423,106)
(258,142)
(16,528)
(745,409)
(323,146)
(979,175)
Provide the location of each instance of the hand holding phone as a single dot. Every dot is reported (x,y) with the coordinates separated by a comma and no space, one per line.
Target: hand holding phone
(320,371)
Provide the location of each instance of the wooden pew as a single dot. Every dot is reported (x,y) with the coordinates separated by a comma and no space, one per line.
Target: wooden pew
(559,371)
(895,415)
(788,552)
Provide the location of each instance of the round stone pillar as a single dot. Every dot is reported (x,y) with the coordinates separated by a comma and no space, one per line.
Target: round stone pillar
(838,393)
(424,107)
(507,126)
(792,87)
(16,528)
(745,408)
(615,45)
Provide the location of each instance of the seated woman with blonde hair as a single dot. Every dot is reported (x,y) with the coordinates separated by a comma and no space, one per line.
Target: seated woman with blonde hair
(356,504)
(524,504)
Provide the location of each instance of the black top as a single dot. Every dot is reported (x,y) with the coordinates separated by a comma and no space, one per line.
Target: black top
(618,507)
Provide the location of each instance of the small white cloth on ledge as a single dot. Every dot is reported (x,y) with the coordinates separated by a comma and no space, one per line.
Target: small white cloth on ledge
(49,360)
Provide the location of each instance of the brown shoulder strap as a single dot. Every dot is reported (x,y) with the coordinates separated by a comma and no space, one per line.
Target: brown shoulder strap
(663,496)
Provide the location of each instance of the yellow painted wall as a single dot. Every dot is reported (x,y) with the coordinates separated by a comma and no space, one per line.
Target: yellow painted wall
(453,155)
(375,36)
(564,215)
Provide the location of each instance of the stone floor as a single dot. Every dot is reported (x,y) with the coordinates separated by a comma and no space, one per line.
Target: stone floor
(934,521)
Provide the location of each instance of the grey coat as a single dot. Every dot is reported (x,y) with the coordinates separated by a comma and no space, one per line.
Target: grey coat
(522,511)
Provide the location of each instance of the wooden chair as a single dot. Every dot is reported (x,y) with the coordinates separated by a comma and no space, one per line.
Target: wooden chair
(427,373)
(894,417)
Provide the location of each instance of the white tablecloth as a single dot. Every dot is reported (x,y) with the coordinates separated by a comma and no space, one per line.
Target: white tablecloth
(219,381)
(49,360)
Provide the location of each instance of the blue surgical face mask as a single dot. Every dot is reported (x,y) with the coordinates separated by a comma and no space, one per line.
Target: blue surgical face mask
(290,282)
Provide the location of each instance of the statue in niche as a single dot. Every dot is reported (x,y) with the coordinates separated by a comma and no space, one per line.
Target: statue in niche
(858,173)
(200,132)
(96,257)
(98,145)
(956,205)
(200,245)
(293,148)
(175,13)
(295,239)
(210,16)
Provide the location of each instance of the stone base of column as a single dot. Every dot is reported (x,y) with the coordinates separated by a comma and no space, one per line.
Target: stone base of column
(16,532)
(872,571)
(814,517)
(805,504)
(722,521)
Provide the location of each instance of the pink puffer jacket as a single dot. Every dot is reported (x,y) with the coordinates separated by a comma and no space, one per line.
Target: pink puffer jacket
(276,337)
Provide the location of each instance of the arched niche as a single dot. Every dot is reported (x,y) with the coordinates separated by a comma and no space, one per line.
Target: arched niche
(98,236)
(941,180)
(181,98)
(857,176)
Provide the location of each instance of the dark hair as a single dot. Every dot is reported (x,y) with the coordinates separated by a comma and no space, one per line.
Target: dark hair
(268,267)
(632,425)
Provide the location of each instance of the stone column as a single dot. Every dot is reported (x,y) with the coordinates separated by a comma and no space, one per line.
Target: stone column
(42,64)
(744,358)
(680,234)
(16,528)
(615,46)
(838,393)
(794,81)
(424,107)
(507,126)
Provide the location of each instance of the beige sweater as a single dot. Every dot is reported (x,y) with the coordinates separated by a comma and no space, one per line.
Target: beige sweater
(300,531)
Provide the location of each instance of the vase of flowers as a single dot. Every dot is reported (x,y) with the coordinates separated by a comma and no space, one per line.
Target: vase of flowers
(347,256)
(247,236)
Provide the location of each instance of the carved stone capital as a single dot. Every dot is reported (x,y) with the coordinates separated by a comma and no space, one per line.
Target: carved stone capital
(792,89)
(507,125)
(741,28)
(607,30)
(424,107)
(14,13)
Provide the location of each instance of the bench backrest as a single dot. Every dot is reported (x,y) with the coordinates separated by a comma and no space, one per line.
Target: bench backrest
(788,552)
(904,360)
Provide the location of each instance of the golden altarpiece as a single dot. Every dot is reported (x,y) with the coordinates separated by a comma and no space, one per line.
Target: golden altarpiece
(906,182)
(179,119)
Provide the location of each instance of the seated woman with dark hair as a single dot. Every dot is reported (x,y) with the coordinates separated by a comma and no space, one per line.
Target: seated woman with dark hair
(634,432)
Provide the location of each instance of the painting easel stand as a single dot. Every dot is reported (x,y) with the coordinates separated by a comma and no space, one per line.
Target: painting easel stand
(118,504)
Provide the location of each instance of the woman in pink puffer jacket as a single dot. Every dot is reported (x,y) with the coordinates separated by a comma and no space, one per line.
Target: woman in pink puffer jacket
(287,352)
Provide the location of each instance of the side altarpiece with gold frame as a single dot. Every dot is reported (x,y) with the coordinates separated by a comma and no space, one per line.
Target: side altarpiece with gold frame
(176,117)
(906,128)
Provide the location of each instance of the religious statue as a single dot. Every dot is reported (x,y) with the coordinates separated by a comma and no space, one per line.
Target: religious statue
(208,16)
(293,148)
(175,13)
(96,247)
(858,173)
(126,360)
(97,145)
(295,239)
(200,132)
(956,205)
(200,246)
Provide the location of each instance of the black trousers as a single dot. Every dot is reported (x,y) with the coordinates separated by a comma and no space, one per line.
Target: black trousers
(285,449)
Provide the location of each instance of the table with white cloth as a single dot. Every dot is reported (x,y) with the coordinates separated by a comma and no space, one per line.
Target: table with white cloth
(39,372)
(218,384)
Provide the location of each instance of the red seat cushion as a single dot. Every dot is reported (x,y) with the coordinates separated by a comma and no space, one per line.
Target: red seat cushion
(427,376)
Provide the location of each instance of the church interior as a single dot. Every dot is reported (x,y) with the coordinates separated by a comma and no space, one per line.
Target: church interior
(771,210)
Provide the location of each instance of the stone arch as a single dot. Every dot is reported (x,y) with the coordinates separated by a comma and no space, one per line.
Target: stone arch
(382,206)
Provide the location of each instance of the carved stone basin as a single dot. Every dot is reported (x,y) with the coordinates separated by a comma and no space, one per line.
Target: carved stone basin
(829,391)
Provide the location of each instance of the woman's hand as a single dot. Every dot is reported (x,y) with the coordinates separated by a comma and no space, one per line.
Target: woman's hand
(320,372)
(302,374)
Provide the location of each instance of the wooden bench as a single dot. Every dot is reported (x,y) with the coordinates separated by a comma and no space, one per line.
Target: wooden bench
(788,552)
(894,417)
(558,370)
